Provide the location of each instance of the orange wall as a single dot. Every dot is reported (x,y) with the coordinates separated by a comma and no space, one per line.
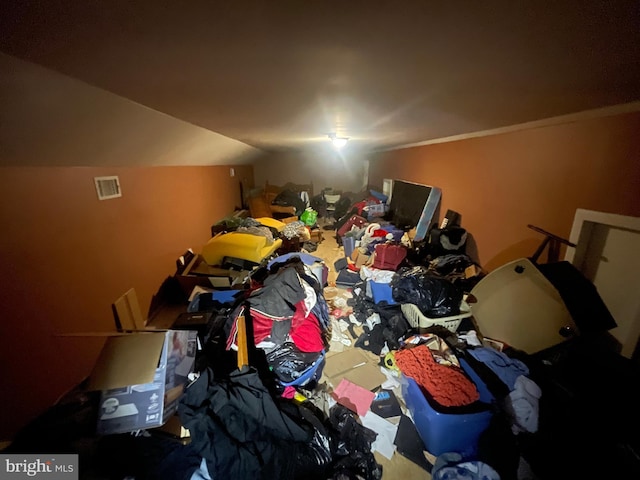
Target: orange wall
(66,256)
(502,183)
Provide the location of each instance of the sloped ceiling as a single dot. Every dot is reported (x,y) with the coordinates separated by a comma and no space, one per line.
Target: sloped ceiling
(283,74)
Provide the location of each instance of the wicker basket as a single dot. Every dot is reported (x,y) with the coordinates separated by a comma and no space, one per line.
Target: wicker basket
(418,320)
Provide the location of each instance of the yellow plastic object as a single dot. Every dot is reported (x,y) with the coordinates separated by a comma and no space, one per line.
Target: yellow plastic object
(271,222)
(390,362)
(299,398)
(245,246)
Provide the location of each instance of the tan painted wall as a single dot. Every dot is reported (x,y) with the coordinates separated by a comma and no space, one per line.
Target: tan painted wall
(321,166)
(49,119)
(538,176)
(66,256)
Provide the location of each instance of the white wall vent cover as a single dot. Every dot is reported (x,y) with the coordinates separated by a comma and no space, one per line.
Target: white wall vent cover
(108,187)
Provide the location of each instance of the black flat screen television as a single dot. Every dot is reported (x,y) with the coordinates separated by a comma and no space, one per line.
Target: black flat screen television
(408,201)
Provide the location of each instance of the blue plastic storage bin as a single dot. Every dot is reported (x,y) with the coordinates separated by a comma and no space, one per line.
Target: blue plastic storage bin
(313,372)
(349,244)
(448,432)
(382,292)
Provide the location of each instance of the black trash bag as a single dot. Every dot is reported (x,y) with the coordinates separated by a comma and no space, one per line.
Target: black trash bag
(315,461)
(343,206)
(289,198)
(288,362)
(319,204)
(435,296)
(450,264)
(242,430)
(352,456)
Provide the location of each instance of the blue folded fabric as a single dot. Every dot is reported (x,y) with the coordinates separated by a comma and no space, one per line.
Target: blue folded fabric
(506,368)
(347,278)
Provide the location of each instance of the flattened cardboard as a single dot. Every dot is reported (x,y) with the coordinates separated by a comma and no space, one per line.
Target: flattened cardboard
(127,310)
(342,362)
(362,259)
(367,376)
(355,366)
(127,360)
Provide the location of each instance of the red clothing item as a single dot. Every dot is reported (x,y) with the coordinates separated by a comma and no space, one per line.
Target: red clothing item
(448,385)
(359,206)
(305,332)
(262,326)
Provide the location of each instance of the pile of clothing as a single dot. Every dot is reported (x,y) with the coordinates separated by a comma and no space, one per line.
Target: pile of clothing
(289,317)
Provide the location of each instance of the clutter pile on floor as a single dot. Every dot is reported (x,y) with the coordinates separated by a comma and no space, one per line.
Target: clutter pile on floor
(297,376)
(334,375)
(331,363)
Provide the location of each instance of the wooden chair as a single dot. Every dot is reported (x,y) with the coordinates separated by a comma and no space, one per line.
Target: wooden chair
(271,192)
(553,242)
(260,204)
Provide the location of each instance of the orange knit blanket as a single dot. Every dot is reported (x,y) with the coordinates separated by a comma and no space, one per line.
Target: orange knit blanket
(448,385)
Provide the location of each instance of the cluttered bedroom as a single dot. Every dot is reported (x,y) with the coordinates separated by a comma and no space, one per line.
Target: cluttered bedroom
(252,240)
(355,335)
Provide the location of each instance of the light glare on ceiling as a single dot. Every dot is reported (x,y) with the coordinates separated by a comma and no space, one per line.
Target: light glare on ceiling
(338,142)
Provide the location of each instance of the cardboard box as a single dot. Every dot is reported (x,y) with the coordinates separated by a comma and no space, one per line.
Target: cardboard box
(360,258)
(141,377)
(316,235)
(472,271)
(199,274)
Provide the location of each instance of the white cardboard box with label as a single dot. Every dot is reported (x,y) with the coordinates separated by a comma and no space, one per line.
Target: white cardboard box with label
(141,377)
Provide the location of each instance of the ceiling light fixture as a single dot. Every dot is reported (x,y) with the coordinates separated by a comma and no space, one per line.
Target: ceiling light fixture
(338,142)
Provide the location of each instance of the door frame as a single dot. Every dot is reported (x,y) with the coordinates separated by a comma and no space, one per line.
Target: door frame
(585,224)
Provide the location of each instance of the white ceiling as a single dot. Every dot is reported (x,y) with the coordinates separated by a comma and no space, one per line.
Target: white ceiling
(283,74)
